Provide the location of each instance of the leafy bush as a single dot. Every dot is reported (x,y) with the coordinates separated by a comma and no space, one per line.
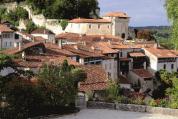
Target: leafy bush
(63,24)
(13,16)
(54,91)
(113,91)
(30,26)
(152,102)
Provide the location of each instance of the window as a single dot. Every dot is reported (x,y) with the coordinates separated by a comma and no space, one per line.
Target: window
(6,35)
(121,54)
(108,26)
(123,36)
(110,66)
(164,67)
(172,66)
(98,26)
(5,43)
(106,66)
(109,75)
(10,43)
(89,26)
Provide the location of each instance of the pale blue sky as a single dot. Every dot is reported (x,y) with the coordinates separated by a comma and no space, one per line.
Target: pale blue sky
(142,12)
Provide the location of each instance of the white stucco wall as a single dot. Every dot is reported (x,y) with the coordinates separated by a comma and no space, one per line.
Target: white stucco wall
(89,28)
(9,42)
(119,26)
(156,66)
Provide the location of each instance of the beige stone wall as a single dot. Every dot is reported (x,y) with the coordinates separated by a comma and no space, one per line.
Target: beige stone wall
(90,28)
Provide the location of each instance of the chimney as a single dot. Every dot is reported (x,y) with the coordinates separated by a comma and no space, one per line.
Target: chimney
(20,46)
(76,47)
(60,43)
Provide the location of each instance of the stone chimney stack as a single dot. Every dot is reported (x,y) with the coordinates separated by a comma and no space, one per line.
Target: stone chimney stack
(60,43)
(20,46)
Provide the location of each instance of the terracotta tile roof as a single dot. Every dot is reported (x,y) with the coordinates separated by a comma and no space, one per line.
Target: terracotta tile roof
(96,78)
(124,80)
(143,73)
(42,31)
(4,28)
(161,52)
(93,87)
(137,54)
(38,61)
(25,34)
(82,51)
(83,20)
(60,60)
(12,51)
(104,47)
(52,49)
(116,14)
(87,38)
(39,39)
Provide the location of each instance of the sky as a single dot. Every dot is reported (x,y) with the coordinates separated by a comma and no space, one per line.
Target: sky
(142,12)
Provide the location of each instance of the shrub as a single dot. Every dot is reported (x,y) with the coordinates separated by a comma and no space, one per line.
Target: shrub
(63,24)
(152,103)
(30,27)
(112,92)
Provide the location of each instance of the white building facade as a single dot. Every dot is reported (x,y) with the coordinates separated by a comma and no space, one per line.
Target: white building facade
(8,38)
(115,24)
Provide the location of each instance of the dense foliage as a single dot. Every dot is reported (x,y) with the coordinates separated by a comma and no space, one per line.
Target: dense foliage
(172,10)
(52,91)
(64,9)
(13,16)
(30,26)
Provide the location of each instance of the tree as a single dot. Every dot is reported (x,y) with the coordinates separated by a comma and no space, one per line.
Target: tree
(172,93)
(30,26)
(58,83)
(172,10)
(64,9)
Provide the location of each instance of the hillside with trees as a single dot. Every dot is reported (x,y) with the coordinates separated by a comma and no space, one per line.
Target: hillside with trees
(62,9)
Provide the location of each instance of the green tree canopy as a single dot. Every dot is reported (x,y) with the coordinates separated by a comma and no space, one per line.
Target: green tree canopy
(172,10)
(64,9)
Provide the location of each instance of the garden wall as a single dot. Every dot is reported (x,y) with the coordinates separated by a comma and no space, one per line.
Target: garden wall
(132,107)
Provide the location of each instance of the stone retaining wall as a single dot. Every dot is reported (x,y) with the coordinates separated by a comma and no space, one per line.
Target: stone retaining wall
(132,107)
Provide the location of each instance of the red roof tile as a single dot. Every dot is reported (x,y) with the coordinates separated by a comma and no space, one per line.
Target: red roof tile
(87,38)
(83,20)
(143,73)
(12,51)
(96,78)
(4,28)
(137,54)
(161,52)
(117,14)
